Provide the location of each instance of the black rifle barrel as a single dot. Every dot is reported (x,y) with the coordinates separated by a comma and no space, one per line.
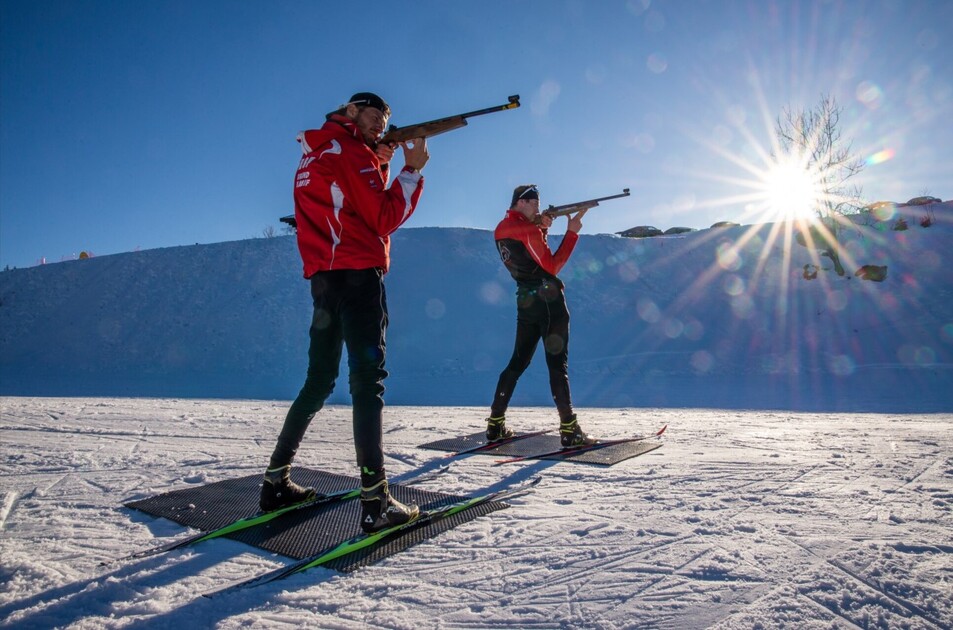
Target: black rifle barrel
(513,103)
(556,211)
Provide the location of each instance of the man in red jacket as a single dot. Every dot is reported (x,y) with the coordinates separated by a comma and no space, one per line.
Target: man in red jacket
(345,214)
(541,311)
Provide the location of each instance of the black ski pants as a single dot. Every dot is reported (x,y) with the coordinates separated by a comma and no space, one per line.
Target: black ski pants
(350,309)
(541,314)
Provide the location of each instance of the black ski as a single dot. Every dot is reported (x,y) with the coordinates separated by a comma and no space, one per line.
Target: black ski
(572,450)
(491,445)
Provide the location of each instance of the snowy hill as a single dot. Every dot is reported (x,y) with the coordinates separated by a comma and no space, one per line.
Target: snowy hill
(715,318)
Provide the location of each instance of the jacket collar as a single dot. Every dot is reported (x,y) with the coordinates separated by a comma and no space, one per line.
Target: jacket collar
(335,120)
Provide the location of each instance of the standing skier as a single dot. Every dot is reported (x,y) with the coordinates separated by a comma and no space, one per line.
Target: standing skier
(345,215)
(541,311)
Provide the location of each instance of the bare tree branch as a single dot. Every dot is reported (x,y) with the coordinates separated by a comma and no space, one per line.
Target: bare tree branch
(815,136)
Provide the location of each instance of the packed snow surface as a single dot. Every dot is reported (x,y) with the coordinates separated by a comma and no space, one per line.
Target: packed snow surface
(743,519)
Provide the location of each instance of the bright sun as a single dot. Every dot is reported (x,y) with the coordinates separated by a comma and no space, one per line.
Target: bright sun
(790,191)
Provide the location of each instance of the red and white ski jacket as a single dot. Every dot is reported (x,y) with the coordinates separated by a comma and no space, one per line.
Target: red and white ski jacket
(525,252)
(344,211)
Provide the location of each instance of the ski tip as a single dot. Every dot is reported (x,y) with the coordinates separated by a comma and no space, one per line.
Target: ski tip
(661,431)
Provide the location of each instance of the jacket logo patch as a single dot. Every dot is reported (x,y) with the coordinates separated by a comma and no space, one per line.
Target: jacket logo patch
(335,148)
(369,169)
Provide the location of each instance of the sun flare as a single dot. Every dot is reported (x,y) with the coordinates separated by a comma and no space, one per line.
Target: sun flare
(790,190)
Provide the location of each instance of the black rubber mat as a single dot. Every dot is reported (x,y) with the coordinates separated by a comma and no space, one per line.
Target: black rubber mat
(610,454)
(606,456)
(304,532)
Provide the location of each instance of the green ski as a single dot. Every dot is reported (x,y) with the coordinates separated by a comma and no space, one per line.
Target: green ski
(363,541)
(264,517)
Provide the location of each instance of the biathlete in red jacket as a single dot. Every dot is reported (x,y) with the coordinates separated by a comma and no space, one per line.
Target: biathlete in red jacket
(345,214)
(541,312)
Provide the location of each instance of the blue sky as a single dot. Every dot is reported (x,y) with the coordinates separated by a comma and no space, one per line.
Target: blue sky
(127,125)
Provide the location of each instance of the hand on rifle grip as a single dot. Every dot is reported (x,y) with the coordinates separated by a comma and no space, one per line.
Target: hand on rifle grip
(385,152)
(415,153)
(575,221)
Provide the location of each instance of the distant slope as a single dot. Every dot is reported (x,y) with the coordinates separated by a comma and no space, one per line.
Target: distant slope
(720,318)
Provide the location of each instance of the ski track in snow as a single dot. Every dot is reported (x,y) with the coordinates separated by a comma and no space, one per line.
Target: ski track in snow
(743,519)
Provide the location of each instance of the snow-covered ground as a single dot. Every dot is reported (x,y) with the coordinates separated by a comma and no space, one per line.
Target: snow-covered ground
(806,477)
(743,519)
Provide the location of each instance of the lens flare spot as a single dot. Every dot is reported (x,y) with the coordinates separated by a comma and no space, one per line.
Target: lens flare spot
(657,63)
(742,306)
(321,319)
(728,257)
(880,157)
(870,94)
(638,7)
(648,311)
(435,308)
(553,344)
(883,210)
(734,285)
(925,356)
(674,328)
(946,332)
(916,355)
(491,292)
(629,271)
(837,300)
(694,330)
(702,361)
(842,365)
(596,74)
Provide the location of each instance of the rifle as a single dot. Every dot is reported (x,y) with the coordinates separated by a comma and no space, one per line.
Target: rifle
(395,135)
(572,208)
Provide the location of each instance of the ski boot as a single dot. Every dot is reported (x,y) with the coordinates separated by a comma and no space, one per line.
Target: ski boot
(278,491)
(496,429)
(570,434)
(379,510)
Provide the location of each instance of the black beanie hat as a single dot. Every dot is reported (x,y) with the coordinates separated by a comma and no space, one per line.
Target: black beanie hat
(526,191)
(369,99)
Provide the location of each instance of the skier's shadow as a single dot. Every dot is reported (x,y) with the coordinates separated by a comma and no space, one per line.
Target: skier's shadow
(119,593)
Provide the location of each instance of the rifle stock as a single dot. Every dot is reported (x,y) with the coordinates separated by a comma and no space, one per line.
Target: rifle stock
(395,135)
(572,208)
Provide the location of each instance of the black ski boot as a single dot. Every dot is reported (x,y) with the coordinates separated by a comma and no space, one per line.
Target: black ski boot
(496,429)
(278,490)
(379,510)
(570,434)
